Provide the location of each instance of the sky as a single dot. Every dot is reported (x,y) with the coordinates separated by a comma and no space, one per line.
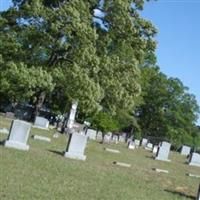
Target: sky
(178,38)
(178,50)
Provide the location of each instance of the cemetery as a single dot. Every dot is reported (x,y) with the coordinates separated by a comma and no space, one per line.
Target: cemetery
(103,175)
(99,100)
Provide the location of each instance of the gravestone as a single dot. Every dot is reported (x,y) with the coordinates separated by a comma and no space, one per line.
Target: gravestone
(72,115)
(10,115)
(131,145)
(76,146)
(195,160)
(185,150)
(163,152)
(149,146)
(144,142)
(137,143)
(42,138)
(18,135)
(41,122)
(91,134)
(99,135)
(155,149)
(115,139)
(198,194)
(122,138)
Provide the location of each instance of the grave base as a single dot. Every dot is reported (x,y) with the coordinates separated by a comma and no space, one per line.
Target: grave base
(16,145)
(34,126)
(75,156)
(194,164)
(162,159)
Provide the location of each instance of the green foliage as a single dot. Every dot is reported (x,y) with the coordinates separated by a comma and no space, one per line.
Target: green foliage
(104,122)
(168,110)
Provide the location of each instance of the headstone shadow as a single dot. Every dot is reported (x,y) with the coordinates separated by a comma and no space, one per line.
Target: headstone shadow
(180,194)
(61,153)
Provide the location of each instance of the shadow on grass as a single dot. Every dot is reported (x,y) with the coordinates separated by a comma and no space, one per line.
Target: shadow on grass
(181,194)
(2,142)
(61,153)
(150,157)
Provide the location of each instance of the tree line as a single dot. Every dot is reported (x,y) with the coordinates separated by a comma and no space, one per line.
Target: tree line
(100,53)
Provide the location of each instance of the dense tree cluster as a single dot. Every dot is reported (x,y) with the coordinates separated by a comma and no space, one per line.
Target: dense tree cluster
(100,53)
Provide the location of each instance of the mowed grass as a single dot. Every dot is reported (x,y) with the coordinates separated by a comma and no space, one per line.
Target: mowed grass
(43,173)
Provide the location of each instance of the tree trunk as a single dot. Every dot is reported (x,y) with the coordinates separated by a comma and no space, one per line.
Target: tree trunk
(38,105)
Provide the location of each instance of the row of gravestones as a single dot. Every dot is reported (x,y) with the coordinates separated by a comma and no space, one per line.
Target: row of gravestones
(163,149)
(19,133)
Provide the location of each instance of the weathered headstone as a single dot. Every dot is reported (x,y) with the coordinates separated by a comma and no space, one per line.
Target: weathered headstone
(76,146)
(194,160)
(122,138)
(112,150)
(10,115)
(149,146)
(72,115)
(155,149)
(91,134)
(122,164)
(41,122)
(115,139)
(42,138)
(144,142)
(131,145)
(137,143)
(18,135)
(99,135)
(163,152)
(185,150)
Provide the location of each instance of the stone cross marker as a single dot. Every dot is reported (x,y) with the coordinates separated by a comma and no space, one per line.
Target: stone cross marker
(185,150)
(163,152)
(41,122)
(18,135)
(72,115)
(195,160)
(76,146)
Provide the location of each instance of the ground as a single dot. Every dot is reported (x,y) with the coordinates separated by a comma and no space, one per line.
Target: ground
(43,173)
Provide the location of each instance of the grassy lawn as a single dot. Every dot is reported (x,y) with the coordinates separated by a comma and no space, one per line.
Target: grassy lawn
(43,173)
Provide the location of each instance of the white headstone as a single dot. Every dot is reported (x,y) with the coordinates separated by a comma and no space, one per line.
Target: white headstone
(137,143)
(18,135)
(149,146)
(163,152)
(42,138)
(72,115)
(76,146)
(122,138)
(185,150)
(41,122)
(115,139)
(144,142)
(99,135)
(131,145)
(91,134)
(155,149)
(195,160)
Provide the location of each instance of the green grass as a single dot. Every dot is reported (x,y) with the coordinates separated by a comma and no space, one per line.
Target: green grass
(43,173)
